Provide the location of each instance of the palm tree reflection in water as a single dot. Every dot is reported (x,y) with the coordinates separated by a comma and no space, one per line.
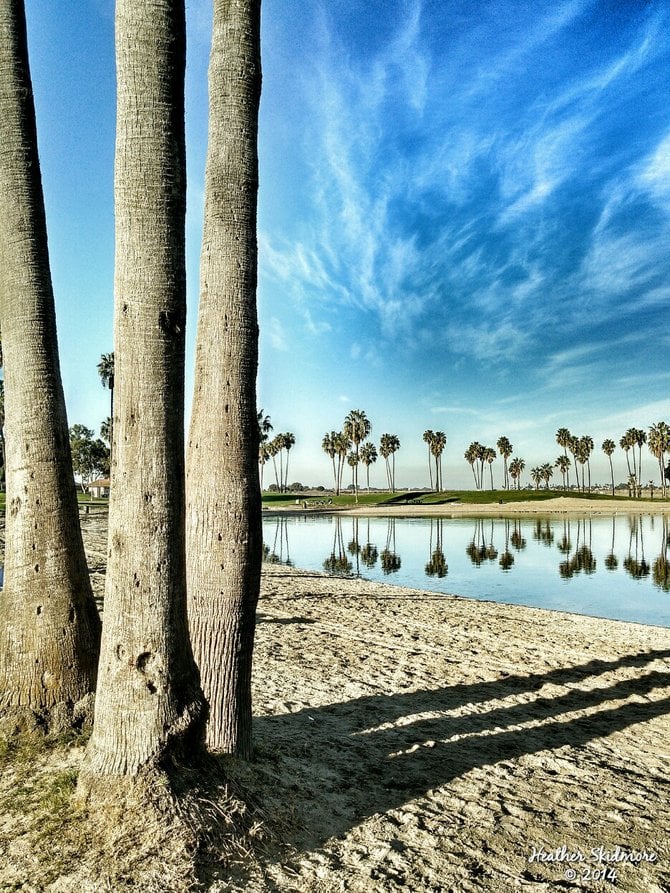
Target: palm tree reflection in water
(357,550)
(661,569)
(271,555)
(543,532)
(369,552)
(611,561)
(479,550)
(582,560)
(636,565)
(390,560)
(337,562)
(437,563)
(507,558)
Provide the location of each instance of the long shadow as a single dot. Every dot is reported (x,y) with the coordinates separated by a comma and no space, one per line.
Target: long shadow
(354,746)
(284,621)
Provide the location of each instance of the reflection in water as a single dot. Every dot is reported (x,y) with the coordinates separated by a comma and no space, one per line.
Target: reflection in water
(611,561)
(543,532)
(661,568)
(437,563)
(481,548)
(506,559)
(369,552)
(272,555)
(565,542)
(389,559)
(484,550)
(582,560)
(517,539)
(337,562)
(636,564)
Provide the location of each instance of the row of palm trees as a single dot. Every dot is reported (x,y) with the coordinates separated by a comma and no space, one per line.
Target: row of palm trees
(270,449)
(657,440)
(581,449)
(351,446)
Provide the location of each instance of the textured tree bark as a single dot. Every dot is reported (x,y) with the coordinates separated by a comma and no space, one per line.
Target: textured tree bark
(49,625)
(224,536)
(149,705)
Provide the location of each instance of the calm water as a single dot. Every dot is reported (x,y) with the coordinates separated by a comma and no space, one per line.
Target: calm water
(616,567)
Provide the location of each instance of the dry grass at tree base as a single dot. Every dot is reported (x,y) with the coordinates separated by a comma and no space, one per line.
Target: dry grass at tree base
(405,741)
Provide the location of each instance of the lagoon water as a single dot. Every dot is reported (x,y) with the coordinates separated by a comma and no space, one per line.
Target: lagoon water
(615,567)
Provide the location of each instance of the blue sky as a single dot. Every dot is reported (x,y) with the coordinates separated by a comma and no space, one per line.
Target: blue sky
(464,217)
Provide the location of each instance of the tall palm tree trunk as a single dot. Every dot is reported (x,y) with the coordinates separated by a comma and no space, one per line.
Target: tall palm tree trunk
(224,508)
(148,702)
(49,626)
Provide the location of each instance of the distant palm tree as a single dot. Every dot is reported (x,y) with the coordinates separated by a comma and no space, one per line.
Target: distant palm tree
(563,437)
(342,444)
(428,438)
(582,456)
(368,455)
(288,441)
(515,470)
(587,442)
(521,465)
(640,440)
(505,449)
(274,448)
(626,442)
(563,465)
(352,460)
(470,456)
(659,445)
(437,448)
(389,444)
(106,373)
(608,448)
(394,441)
(573,446)
(357,427)
(264,426)
(536,475)
(489,455)
(329,446)
(547,471)
(263,456)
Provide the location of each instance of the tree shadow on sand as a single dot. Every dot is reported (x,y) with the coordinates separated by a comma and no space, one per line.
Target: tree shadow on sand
(377,752)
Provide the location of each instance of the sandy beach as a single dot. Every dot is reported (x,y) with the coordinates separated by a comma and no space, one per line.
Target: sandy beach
(407,741)
(560,505)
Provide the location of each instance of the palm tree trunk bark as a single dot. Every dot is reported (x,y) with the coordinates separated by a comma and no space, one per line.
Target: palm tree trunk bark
(149,705)
(49,625)
(224,510)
